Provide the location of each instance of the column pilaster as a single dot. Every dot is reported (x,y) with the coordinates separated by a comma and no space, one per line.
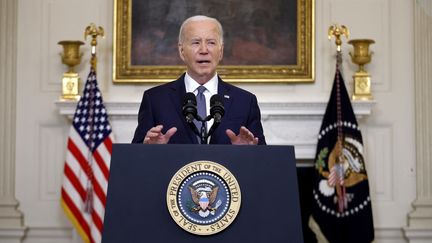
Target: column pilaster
(419,228)
(11,219)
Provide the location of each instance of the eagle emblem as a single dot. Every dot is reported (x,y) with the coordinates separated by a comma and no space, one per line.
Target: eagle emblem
(200,200)
(204,194)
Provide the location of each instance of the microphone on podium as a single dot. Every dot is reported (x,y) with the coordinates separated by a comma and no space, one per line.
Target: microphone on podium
(190,112)
(189,108)
(217,111)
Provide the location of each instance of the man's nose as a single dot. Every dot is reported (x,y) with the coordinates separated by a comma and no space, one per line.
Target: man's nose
(203,48)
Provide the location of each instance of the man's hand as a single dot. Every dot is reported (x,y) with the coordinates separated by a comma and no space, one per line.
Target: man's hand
(245,137)
(155,135)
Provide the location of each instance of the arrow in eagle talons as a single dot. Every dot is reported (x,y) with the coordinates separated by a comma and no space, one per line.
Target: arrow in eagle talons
(218,203)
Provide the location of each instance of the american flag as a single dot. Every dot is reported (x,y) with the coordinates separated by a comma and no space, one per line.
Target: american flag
(86,170)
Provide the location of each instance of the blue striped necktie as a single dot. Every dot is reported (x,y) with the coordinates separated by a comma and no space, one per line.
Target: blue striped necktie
(201,106)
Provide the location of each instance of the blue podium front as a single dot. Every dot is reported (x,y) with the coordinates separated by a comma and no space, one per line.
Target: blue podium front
(138,203)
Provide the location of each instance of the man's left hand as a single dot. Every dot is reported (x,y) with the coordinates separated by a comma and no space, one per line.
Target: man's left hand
(245,137)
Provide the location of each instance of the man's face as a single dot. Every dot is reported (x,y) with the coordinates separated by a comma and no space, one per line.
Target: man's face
(201,49)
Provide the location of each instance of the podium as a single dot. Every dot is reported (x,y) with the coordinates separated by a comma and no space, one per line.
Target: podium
(136,208)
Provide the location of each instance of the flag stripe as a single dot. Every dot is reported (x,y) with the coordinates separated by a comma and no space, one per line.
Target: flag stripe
(102,150)
(96,234)
(75,168)
(85,167)
(98,208)
(80,158)
(97,221)
(74,222)
(104,154)
(76,200)
(101,162)
(76,214)
(75,182)
(108,144)
(99,192)
(78,140)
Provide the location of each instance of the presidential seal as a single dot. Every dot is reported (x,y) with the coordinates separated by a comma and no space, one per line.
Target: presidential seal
(203,197)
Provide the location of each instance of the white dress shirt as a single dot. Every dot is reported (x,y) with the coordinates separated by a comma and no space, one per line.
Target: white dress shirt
(211,89)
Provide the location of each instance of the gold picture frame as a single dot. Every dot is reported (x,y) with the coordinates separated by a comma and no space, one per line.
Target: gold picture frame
(259,47)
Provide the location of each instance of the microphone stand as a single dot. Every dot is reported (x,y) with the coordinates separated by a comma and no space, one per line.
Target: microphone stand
(189,110)
(213,128)
(202,134)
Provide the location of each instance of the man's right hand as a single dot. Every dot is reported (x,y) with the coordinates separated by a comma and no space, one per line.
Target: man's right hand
(155,135)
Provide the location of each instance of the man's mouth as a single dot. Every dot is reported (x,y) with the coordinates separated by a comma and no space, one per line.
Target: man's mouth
(203,61)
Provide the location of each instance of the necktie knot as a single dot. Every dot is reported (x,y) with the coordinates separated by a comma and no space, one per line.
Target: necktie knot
(201,101)
(201,90)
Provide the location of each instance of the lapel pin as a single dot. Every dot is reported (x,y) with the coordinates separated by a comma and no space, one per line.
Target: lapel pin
(226,96)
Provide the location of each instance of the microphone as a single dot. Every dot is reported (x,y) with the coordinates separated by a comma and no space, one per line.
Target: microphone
(217,109)
(189,109)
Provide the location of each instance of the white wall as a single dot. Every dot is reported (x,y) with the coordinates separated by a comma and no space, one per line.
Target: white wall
(41,132)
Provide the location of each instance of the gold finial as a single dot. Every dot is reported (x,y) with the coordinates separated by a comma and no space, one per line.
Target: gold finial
(337,31)
(94,32)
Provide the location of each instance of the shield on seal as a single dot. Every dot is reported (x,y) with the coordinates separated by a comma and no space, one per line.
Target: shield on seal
(204,202)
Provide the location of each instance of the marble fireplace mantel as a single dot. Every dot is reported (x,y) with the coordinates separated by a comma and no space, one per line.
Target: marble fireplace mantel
(285,123)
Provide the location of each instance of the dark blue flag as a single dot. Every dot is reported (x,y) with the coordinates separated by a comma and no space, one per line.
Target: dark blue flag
(341,201)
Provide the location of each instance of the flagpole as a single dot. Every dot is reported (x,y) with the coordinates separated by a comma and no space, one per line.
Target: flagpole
(94,32)
(338,171)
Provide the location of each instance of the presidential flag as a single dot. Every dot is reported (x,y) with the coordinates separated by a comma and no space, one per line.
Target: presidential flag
(86,170)
(341,201)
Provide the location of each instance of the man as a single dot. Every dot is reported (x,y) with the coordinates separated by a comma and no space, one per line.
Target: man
(160,118)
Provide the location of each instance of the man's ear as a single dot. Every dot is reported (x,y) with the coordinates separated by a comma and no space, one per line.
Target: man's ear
(180,50)
(222,52)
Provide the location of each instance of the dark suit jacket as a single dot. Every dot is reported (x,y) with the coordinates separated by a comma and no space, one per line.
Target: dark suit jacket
(162,105)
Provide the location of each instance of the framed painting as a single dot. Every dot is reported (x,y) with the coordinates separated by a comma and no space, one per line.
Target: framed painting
(264,40)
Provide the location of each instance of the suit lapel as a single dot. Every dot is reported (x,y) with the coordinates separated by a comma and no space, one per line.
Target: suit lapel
(177,93)
(224,90)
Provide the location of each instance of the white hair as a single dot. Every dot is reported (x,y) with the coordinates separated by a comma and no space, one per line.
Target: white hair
(198,18)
